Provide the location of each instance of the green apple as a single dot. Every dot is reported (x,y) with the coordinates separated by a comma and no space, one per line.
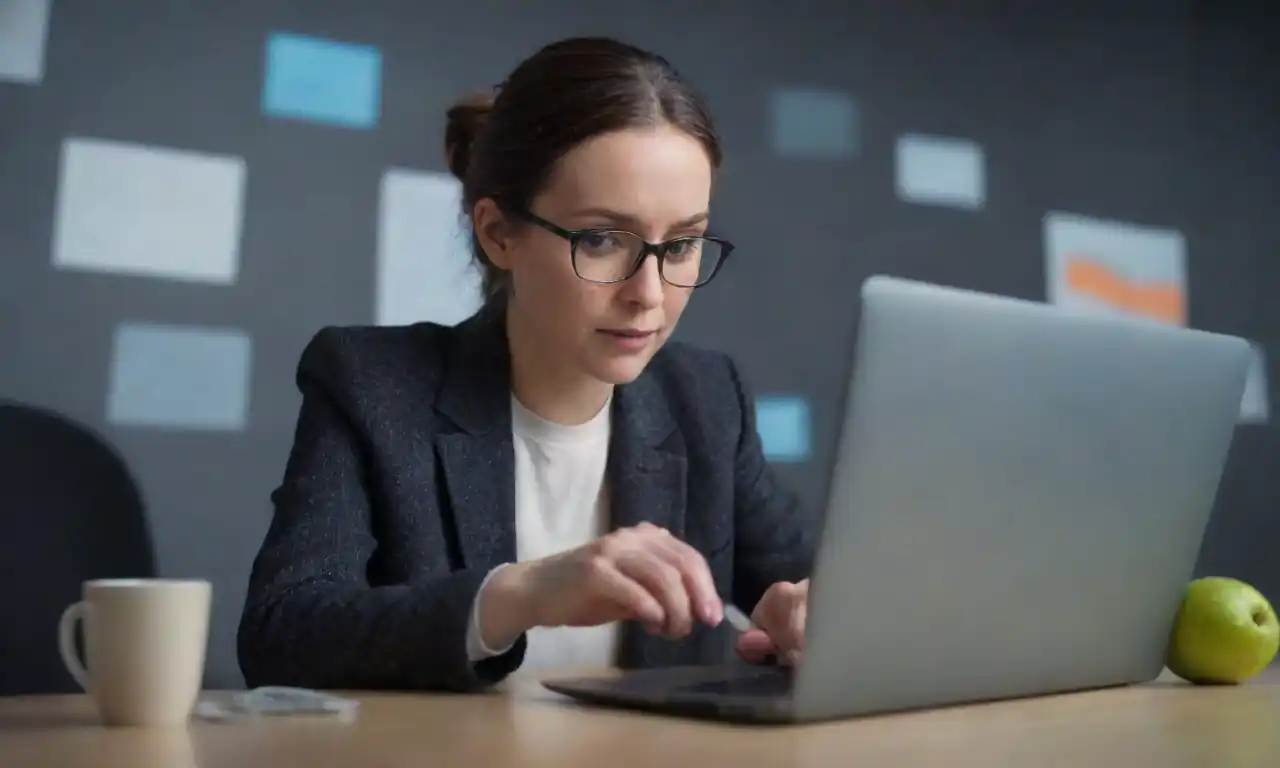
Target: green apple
(1225,632)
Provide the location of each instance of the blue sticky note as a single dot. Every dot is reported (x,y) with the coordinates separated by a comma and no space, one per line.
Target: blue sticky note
(179,378)
(326,81)
(783,424)
(813,124)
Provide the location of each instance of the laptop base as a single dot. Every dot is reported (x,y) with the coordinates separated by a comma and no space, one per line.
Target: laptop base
(727,693)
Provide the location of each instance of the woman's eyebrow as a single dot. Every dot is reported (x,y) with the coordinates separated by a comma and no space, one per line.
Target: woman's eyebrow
(626,220)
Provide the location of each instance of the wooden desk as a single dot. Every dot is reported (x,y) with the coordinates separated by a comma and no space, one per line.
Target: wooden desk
(1164,724)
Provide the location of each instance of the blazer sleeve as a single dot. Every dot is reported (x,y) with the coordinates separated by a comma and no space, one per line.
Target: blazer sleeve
(773,538)
(311,617)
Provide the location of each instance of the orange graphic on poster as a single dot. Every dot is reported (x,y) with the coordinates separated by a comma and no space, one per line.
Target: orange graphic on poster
(1158,300)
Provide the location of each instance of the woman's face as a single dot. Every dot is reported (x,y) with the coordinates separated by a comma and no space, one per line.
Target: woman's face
(653,182)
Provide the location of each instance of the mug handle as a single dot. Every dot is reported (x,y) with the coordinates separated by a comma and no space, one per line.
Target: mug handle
(71,617)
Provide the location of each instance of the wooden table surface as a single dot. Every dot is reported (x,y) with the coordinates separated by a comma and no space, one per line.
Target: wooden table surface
(1164,724)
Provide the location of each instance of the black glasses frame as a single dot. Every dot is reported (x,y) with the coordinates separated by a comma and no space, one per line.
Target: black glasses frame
(658,250)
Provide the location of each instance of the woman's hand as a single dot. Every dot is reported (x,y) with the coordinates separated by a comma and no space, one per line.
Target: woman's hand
(642,573)
(780,616)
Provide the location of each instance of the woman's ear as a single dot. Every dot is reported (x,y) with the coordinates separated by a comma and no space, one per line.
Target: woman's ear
(493,231)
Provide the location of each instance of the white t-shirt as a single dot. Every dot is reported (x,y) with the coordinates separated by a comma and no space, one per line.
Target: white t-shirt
(562,502)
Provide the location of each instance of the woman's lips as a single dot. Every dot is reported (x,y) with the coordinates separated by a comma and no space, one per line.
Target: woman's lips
(628,339)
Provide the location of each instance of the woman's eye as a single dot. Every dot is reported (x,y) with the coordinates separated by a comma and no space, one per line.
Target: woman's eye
(682,248)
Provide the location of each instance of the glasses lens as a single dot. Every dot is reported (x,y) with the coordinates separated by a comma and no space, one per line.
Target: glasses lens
(606,257)
(691,261)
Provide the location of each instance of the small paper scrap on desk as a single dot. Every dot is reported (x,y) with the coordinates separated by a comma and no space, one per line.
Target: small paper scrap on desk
(273,701)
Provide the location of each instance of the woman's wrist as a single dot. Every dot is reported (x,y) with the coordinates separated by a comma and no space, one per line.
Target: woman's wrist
(506,607)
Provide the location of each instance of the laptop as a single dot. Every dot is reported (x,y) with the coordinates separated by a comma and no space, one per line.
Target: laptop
(1017,504)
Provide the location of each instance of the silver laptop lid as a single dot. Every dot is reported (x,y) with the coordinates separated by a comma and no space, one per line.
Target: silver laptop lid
(1018,499)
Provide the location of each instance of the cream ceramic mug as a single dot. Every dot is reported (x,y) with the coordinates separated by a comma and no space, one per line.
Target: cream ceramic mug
(145,642)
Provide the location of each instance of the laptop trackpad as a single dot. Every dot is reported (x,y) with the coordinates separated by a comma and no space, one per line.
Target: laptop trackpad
(769,682)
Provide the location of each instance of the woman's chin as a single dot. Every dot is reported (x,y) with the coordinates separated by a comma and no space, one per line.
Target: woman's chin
(619,370)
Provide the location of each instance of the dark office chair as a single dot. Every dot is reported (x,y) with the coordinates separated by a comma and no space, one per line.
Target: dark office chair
(69,511)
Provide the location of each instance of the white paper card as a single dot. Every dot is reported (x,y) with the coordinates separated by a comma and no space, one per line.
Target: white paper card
(935,170)
(147,211)
(424,260)
(24,28)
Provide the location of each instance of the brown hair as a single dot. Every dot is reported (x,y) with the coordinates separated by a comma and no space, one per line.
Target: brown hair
(504,145)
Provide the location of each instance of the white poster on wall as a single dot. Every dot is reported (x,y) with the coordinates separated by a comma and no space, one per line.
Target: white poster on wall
(1115,267)
(1255,408)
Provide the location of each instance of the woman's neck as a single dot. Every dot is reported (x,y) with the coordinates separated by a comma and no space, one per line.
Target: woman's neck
(546,386)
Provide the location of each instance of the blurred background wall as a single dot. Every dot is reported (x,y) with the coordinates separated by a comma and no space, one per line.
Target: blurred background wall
(189,190)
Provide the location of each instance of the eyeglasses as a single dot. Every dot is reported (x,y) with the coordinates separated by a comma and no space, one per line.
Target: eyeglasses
(613,256)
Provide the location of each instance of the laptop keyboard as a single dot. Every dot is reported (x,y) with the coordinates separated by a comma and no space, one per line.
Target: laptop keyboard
(775,682)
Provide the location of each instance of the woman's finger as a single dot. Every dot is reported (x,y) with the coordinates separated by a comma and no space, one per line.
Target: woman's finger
(795,625)
(695,573)
(755,646)
(613,585)
(782,613)
(791,644)
(664,583)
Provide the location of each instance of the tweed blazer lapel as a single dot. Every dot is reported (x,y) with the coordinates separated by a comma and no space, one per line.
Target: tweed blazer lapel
(648,474)
(477,461)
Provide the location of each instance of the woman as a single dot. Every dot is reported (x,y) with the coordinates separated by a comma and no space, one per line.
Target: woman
(549,482)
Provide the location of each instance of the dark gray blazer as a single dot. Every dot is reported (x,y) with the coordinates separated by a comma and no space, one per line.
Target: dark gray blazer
(398,498)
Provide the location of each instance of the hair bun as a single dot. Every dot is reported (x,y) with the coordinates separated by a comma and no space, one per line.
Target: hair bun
(463,123)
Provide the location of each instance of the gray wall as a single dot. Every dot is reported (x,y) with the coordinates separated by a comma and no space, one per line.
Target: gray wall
(1152,112)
